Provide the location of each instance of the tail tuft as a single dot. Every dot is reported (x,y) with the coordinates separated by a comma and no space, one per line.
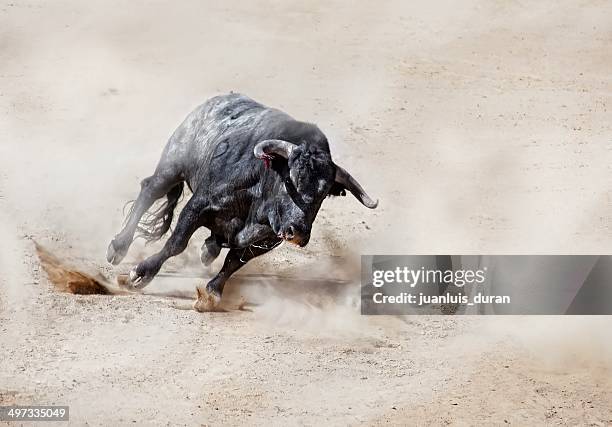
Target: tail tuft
(155,223)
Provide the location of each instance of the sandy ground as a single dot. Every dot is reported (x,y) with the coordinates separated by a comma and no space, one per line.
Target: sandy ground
(482,127)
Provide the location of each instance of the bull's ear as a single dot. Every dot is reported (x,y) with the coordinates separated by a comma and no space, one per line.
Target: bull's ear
(345,180)
(265,150)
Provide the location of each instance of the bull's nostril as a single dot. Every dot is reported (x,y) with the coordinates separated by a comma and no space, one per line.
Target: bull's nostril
(290,233)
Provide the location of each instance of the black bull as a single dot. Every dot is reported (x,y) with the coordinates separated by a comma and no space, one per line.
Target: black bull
(257,176)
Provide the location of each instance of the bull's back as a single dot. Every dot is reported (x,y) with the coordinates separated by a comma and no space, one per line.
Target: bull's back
(225,128)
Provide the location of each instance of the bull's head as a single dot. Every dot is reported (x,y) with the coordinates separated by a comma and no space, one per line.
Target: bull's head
(309,177)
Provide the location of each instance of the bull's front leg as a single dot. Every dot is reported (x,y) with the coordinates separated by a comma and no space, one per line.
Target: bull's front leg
(252,241)
(209,295)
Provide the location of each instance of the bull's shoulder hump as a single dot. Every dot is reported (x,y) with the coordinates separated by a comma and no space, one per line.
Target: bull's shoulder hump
(217,105)
(226,104)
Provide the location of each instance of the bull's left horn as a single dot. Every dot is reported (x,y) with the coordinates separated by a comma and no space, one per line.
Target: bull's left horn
(347,181)
(265,149)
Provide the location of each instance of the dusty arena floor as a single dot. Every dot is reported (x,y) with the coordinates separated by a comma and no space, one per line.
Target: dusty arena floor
(483,128)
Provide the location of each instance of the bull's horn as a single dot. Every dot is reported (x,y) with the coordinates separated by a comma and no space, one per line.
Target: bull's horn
(269,147)
(347,181)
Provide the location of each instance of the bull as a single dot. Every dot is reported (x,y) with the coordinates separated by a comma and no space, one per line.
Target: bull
(257,177)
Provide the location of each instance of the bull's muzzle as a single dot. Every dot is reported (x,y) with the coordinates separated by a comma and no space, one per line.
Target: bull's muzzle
(293,234)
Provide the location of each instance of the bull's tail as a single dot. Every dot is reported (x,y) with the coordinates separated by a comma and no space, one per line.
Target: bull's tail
(157,221)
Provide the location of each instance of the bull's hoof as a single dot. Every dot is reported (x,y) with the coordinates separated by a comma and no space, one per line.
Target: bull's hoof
(137,281)
(210,251)
(115,252)
(207,301)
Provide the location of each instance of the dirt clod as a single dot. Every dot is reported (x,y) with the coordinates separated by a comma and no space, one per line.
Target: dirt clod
(66,279)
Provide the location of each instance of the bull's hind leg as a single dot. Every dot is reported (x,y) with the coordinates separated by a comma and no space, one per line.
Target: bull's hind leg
(152,188)
(188,222)
(209,296)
